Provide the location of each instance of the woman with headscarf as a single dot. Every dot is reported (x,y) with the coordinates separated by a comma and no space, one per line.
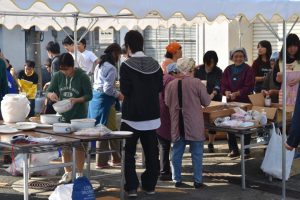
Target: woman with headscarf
(104,91)
(174,52)
(185,97)
(237,83)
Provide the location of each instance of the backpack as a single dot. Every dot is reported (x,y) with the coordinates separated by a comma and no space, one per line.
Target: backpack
(82,189)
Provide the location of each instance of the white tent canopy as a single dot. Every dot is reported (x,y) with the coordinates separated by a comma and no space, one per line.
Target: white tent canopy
(139,13)
(142,13)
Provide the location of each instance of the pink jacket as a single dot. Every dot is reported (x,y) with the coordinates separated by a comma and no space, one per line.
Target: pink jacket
(194,96)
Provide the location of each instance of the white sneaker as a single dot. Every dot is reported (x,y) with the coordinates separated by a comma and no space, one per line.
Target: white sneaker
(79,174)
(66,178)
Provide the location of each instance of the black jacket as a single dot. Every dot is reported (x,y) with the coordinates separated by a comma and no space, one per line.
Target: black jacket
(213,80)
(141,80)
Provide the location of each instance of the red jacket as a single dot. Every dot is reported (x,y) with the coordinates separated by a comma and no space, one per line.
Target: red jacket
(245,82)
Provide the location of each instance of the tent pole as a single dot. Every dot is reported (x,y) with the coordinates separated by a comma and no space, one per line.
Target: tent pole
(284,113)
(75,38)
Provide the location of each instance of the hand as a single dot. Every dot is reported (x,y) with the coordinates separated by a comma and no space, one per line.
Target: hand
(52,96)
(288,147)
(234,95)
(265,92)
(293,82)
(73,101)
(228,94)
(212,95)
(279,77)
(289,66)
(120,97)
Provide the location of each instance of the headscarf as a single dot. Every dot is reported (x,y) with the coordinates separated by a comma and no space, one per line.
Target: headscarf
(173,47)
(185,65)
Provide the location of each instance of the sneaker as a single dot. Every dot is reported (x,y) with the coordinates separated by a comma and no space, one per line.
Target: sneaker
(66,178)
(198,185)
(106,166)
(233,154)
(149,192)
(178,184)
(247,156)
(115,164)
(211,148)
(132,193)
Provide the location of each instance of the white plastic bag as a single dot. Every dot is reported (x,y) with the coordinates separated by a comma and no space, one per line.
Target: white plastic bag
(16,168)
(272,163)
(62,192)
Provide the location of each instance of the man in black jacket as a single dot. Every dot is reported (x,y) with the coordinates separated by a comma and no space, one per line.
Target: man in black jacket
(141,80)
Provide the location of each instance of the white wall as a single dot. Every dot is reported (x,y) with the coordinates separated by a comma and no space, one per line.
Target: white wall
(12,44)
(216,38)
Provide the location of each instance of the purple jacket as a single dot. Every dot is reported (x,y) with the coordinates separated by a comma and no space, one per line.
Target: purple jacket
(245,82)
(165,128)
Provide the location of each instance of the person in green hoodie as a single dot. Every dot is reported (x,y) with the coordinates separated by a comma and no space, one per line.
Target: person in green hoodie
(73,84)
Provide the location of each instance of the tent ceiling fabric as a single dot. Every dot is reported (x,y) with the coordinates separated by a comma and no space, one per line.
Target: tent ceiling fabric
(141,13)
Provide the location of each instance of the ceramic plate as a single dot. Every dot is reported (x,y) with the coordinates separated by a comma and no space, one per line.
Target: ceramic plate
(121,133)
(25,125)
(7,129)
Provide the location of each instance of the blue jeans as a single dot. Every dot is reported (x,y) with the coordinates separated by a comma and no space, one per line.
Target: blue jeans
(197,156)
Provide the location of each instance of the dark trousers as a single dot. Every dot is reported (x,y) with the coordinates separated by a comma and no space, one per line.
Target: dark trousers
(232,143)
(150,147)
(32,107)
(164,154)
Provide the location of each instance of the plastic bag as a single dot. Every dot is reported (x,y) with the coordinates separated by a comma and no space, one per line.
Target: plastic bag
(83,190)
(62,192)
(272,163)
(16,168)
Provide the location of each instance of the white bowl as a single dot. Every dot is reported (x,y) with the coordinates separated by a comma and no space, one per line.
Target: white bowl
(78,124)
(49,118)
(62,128)
(62,106)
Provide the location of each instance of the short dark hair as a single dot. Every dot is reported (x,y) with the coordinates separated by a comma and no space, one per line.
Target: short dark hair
(48,62)
(30,63)
(266,44)
(83,41)
(53,47)
(134,40)
(291,40)
(209,56)
(68,40)
(66,61)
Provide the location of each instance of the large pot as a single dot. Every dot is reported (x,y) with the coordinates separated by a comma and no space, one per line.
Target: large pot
(14,108)
(49,118)
(78,124)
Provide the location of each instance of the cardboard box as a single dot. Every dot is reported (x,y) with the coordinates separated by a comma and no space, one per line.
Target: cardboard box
(295,167)
(289,112)
(219,109)
(258,104)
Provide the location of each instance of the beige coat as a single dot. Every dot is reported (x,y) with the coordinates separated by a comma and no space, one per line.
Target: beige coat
(194,96)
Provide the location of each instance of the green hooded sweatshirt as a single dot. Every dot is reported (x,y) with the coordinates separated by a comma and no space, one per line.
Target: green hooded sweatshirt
(79,85)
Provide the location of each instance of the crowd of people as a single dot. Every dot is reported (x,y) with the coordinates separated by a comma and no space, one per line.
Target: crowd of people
(161,103)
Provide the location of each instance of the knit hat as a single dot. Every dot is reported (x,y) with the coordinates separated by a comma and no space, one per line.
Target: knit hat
(173,47)
(240,49)
(185,64)
(172,68)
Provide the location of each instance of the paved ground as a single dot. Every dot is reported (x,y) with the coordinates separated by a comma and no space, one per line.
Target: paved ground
(221,176)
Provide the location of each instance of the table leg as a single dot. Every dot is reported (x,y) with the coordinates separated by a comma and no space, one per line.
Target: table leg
(122,193)
(88,160)
(243,162)
(25,176)
(73,164)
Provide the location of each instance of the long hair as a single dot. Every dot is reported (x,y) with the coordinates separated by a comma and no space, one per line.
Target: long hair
(291,40)
(266,44)
(108,55)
